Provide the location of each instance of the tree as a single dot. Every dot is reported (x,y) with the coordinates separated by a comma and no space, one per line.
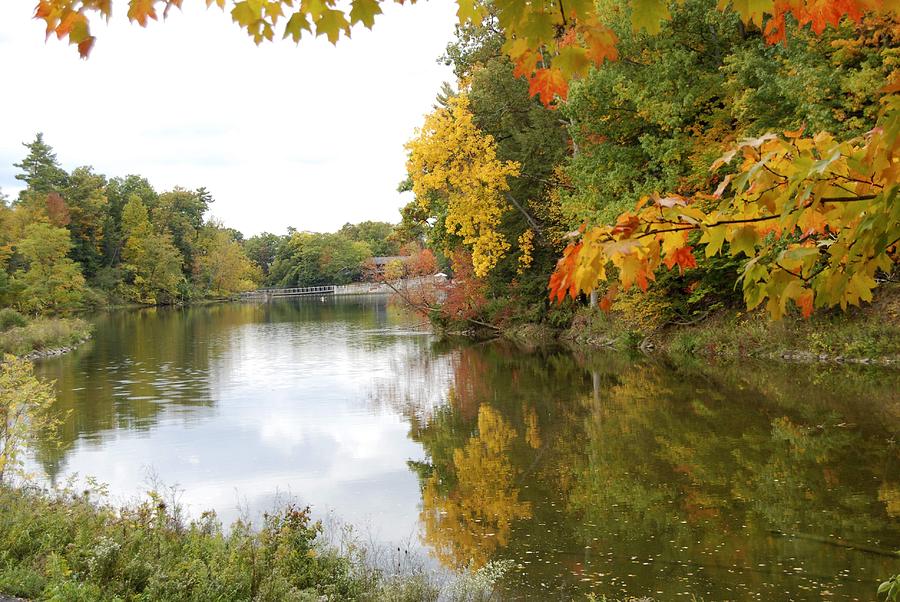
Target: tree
(222,267)
(85,195)
(451,162)
(118,192)
(181,212)
(311,259)
(51,281)
(378,235)
(25,411)
(262,250)
(40,169)
(151,261)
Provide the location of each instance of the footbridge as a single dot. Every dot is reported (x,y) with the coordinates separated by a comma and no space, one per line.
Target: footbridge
(362,288)
(297,291)
(358,288)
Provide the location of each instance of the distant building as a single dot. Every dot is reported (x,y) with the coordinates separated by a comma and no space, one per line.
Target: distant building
(378,264)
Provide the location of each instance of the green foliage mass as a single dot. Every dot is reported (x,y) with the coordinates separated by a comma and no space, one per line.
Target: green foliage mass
(311,259)
(379,236)
(51,282)
(654,120)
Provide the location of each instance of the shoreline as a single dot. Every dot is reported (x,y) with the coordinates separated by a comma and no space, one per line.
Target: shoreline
(868,336)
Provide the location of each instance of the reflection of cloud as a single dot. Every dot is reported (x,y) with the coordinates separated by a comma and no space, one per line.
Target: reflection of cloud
(290,413)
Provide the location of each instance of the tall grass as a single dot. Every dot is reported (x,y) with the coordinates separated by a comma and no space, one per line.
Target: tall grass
(42,334)
(70,545)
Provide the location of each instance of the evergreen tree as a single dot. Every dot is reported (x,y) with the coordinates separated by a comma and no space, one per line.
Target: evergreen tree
(41,171)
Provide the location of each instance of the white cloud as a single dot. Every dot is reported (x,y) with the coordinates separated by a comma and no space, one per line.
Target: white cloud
(309,137)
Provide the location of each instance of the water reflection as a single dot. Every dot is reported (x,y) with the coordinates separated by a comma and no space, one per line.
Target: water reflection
(635,477)
(592,473)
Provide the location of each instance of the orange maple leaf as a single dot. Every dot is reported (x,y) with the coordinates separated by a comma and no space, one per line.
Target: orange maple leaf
(526,64)
(549,84)
(683,258)
(142,10)
(805,303)
(602,44)
(562,281)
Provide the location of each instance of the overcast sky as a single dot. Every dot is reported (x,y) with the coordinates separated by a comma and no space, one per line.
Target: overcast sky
(309,136)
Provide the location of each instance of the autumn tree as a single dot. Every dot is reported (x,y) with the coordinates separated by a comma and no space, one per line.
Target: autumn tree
(152,263)
(85,196)
(222,268)
(50,281)
(262,249)
(118,192)
(453,164)
(181,213)
(378,235)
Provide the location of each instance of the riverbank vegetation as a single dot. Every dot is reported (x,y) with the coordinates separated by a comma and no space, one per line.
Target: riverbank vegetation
(89,550)
(506,184)
(43,335)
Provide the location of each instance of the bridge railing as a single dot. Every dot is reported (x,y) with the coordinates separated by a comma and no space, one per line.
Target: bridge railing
(292,291)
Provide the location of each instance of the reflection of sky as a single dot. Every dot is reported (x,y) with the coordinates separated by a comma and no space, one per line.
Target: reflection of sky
(293,413)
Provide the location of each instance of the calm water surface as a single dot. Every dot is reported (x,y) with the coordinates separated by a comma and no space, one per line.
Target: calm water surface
(592,473)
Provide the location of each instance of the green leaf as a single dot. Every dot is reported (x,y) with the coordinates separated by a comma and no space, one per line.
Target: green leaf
(713,239)
(539,28)
(571,60)
(469,11)
(243,14)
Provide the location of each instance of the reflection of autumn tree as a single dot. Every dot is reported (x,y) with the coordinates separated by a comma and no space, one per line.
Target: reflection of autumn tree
(675,466)
(470,522)
(703,461)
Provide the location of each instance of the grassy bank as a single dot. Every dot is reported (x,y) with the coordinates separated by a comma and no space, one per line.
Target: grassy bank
(43,335)
(868,334)
(67,546)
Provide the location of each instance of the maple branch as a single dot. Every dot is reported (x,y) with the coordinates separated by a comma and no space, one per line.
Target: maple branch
(655,232)
(773,172)
(868,183)
(847,199)
(795,274)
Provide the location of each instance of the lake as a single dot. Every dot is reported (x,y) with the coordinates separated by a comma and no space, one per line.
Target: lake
(591,472)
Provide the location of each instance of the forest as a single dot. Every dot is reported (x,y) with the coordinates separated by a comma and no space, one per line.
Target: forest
(506,184)
(81,241)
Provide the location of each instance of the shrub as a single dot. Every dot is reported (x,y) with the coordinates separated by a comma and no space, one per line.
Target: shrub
(10,318)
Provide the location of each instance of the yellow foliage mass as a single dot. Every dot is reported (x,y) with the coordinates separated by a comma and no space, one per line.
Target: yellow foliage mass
(452,160)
